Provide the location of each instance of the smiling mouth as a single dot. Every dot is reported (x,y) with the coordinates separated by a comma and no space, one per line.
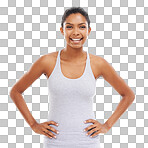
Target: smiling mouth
(76,40)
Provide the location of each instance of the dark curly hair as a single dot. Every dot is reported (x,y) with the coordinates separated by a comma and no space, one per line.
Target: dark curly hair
(75,10)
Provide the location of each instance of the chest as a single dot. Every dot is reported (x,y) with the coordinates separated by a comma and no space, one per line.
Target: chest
(73,70)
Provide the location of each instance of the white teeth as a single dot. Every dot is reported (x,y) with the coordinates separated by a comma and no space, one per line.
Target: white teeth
(76,39)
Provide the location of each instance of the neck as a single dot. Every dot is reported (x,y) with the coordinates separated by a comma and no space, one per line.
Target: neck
(73,54)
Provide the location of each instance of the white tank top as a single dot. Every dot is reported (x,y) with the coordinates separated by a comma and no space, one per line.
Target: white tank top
(70,104)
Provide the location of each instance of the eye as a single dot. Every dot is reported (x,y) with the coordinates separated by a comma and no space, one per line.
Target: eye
(83,26)
(71,26)
(68,26)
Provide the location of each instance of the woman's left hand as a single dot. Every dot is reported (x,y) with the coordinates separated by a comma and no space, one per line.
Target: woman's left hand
(97,127)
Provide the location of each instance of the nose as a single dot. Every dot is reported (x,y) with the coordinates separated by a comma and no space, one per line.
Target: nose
(75,31)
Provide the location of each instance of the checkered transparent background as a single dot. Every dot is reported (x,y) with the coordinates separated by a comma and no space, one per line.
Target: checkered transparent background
(30,29)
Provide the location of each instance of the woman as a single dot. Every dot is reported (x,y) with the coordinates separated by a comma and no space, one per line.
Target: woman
(71,74)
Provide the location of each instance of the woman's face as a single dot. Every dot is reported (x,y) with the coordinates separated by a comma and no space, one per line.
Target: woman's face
(75,27)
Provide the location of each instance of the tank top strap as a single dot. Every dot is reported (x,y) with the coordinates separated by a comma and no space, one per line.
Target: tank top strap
(58,59)
(58,55)
(89,70)
(88,62)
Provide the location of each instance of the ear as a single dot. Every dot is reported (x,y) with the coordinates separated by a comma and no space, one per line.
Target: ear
(89,31)
(62,31)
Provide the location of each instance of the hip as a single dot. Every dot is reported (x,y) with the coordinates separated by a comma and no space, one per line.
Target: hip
(73,139)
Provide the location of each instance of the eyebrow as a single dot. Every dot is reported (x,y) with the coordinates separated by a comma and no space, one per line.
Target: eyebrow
(72,24)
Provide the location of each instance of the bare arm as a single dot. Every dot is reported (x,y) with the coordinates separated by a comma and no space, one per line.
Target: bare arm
(37,69)
(128,96)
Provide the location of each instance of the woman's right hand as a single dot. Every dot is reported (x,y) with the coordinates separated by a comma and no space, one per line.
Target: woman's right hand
(43,128)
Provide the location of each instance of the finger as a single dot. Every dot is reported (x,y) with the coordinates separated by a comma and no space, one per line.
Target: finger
(52,122)
(46,134)
(50,133)
(91,131)
(90,127)
(50,128)
(90,120)
(95,133)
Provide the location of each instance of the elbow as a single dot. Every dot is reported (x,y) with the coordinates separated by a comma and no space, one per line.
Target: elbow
(12,93)
(130,96)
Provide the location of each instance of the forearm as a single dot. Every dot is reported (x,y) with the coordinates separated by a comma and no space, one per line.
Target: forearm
(22,106)
(121,108)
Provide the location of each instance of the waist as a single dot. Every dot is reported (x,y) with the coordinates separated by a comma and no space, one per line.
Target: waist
(71,122)
(72,138)
(70,111)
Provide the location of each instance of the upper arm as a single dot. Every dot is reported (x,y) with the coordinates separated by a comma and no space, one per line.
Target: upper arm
(35,71)
(110,75)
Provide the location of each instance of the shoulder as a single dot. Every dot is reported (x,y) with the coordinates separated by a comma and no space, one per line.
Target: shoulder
(96,58)
(48,61)
(100,65)
(50,57)
(98,61)
(112,77)
(104,67)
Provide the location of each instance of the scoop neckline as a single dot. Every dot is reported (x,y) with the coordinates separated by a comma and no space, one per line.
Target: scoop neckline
(70,78)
